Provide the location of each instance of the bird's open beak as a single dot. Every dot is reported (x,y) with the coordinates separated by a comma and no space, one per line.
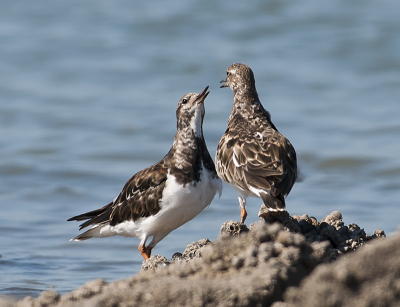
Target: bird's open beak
(202,96)
(225,84)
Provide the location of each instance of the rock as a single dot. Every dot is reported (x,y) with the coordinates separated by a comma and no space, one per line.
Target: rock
(343,232)
(233,228)
(334,219)
(379,234)
(294,261)
(305,226)
(282,217)
(193,250)
(154,262)
(8,301)
(88,290)
(176,257)
(368,277)
(329,233)
(237,262)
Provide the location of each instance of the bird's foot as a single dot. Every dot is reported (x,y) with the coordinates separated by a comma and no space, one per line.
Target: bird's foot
(145,251)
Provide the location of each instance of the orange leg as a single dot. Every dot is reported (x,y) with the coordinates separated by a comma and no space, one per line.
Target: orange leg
(145,251)
(243,214)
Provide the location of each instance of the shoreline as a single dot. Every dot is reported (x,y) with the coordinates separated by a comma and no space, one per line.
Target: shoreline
(280,261)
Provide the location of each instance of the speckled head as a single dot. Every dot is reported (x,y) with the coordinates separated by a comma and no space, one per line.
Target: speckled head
(190,111)
(240,77)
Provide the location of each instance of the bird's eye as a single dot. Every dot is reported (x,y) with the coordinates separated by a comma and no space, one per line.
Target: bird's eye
(184,100)
(227,73)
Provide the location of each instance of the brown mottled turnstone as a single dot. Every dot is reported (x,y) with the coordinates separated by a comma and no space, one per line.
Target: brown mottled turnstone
(163,197)
(252,156)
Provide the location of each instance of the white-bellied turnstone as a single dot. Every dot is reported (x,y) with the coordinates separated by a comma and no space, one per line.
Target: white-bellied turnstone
(168,194)
(252,156)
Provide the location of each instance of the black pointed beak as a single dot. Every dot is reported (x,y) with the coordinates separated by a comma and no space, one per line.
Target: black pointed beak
(225,84)
(202,96)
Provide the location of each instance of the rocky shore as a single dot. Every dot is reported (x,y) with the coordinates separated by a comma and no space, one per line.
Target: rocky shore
(281,261)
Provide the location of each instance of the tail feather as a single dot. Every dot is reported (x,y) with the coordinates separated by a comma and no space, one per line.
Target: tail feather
(91,214)
(273,203)
(91,233)
(93,217)
(81,237)
(85,216)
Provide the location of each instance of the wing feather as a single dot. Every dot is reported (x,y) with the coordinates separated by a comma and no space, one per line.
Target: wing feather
(140,197)
(267,162)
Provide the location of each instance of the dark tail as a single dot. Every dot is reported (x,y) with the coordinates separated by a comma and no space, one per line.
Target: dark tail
(94,217)
(273,203)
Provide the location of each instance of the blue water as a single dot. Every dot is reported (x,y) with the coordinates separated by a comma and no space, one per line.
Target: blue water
(88,91)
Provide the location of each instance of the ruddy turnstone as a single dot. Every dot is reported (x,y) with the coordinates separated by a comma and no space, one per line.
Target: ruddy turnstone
(168,194)
(252,156)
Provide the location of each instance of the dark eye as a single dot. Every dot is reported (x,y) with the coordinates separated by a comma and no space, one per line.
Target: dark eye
(184,100)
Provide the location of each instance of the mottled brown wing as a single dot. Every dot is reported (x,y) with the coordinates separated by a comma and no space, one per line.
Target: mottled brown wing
(139,198)
(267,162)
(141,195)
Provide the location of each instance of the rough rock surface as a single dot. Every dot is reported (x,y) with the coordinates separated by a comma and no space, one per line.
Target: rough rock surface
(281,261)
(193,250)
(233,228)
(369,277)
(331,228)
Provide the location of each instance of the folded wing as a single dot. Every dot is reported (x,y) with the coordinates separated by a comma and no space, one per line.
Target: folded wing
(266,163)
(139,198)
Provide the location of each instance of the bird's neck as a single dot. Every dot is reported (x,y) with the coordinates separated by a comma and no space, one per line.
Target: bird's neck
(245,102)
(189,127)
(189,155)
(246,92)
(187,141)
(248,108)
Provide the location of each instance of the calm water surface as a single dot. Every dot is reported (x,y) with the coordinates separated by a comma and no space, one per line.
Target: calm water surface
(88,92)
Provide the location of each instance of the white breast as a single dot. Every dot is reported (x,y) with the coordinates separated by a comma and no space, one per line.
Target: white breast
(181,203)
